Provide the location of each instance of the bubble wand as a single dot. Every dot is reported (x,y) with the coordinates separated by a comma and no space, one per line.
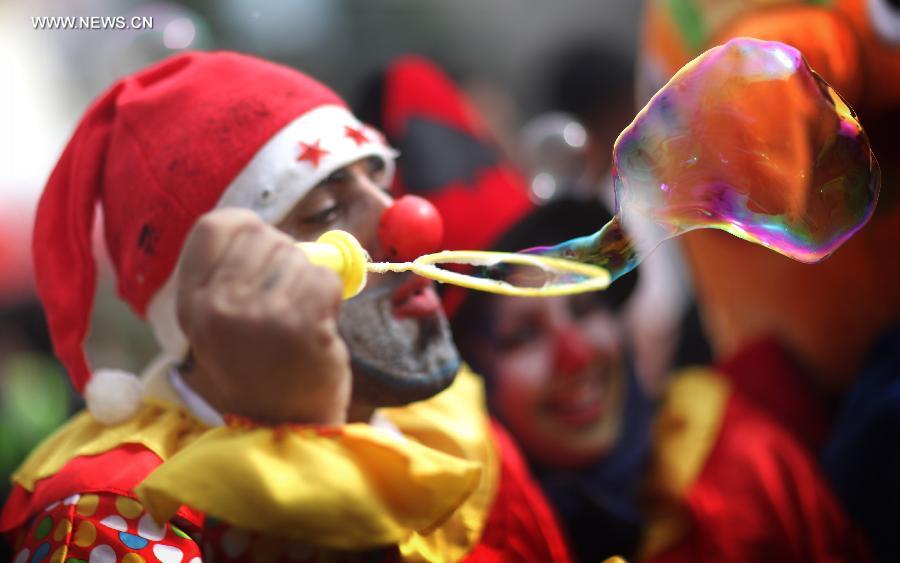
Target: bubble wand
(341,252)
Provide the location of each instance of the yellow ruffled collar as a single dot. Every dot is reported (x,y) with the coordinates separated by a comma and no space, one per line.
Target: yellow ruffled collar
(354,487)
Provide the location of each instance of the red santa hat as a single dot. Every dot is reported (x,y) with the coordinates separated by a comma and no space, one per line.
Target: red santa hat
(157,150)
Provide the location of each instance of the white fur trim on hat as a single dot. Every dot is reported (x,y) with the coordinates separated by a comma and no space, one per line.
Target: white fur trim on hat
(300,156)
(113,395)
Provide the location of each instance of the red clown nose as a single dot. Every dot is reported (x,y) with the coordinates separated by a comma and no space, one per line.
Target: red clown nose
(573,353)
(410,228)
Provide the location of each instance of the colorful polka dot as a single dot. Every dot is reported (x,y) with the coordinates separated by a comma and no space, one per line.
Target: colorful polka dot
(102,554)
(43,528)
(133,558)
(179,532)
(132,541)
(60,554)
(85,534)
(74,560)
(149,529)
(116,523)
(129,508)
(87,505)
(22,556)
(42,551)
(62,529)
(71,500)
(167,553)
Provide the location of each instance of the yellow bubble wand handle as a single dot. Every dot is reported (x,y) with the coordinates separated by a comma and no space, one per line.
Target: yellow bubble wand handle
(342,253)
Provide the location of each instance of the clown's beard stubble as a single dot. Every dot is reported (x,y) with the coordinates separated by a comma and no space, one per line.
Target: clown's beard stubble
(395,361)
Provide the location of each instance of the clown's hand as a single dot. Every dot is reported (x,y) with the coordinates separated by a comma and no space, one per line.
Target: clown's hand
(262,323)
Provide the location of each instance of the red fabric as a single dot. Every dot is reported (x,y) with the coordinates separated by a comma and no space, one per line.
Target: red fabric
(156,151)
(117,471)
(761,497)
(476,211)
(521,526)
(763,374)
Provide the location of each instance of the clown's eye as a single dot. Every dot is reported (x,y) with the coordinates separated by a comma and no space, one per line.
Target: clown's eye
(377,171)
(325,216)
(885,17)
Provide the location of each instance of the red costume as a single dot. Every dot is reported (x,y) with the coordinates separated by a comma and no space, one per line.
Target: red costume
(735,476)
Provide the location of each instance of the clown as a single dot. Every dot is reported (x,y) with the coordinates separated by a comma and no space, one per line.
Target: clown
(278,422)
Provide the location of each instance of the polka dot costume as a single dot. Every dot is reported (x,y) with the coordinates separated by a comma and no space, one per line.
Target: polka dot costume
(108,528)
(103,528)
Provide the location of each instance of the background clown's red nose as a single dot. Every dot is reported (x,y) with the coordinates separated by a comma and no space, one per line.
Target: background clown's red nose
(573,353)
(410,228)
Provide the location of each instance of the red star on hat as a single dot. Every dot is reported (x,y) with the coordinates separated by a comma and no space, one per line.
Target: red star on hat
(311,152)
(355,134)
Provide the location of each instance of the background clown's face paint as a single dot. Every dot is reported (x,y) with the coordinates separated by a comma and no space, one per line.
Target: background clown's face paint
(746,139)
(558,376)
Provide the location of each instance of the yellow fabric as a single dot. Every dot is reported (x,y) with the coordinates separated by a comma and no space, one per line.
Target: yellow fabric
(161,429)
(355,487)
(685,431)
(454,423)
(306,486)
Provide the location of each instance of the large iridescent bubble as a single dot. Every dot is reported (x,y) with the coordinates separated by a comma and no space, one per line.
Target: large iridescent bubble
(747,139)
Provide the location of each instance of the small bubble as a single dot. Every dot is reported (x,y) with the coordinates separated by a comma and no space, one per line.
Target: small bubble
(179,33)
(543,186)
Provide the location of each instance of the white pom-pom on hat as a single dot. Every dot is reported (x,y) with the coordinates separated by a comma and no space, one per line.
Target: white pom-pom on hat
(113,395)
